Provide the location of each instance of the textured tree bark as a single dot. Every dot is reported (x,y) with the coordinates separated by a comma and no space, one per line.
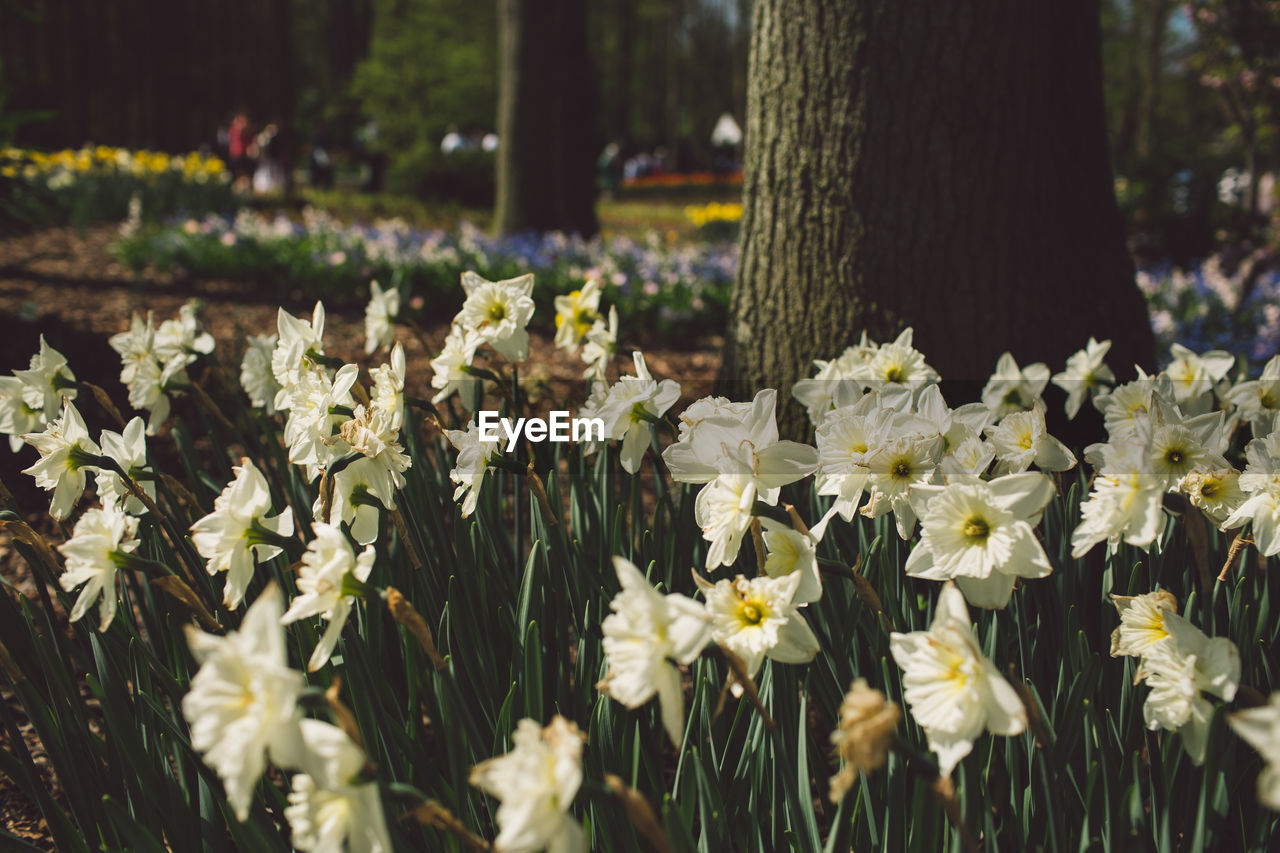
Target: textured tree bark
(943,169)
(546,118)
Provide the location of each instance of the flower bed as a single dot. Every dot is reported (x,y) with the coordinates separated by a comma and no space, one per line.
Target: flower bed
(303,602)
(101,184)
(670,290)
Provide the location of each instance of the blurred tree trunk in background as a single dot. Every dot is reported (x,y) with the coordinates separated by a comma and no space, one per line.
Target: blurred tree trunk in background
(945,171)
(546,118)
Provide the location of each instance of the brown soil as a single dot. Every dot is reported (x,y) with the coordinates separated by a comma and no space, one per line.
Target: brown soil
(64,284)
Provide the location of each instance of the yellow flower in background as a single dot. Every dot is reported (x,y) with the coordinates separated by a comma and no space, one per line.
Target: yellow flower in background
(700,215)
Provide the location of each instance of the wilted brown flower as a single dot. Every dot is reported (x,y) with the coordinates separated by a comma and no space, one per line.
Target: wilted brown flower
(862,740)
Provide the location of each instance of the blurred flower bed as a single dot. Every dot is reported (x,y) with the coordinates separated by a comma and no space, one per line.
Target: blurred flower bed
(660,286)
(1217,305)
(97,184)
(715,221)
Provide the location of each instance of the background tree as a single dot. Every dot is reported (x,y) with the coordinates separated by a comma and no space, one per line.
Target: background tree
(546,118)
(920,170)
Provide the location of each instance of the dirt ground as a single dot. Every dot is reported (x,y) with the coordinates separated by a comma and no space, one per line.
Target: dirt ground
(63,283)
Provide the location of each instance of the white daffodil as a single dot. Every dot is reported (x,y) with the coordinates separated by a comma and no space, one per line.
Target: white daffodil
(450,370)
(723,510)
(1194,376)
(1261,510)
(129,450)
(981,535)
(331,809)
(1261,483)
(934,417)
(297,342)
(631,407)
(153,361)
(757,618)
(971,457)
(47,381)
(17,417)
(388,388)
(601,346)
(1179,671)
(473,461)
(238,532)
(1141,622)
(576,313)
(1215,491)
(1258,400)
(1125,502)
(135,346)
(370,434)
(256,378)
(1021,439)
(359,489)
(835,378)
(645,636)
(789,552)
(896,467)
(847,437)
(1177,445)
(591,409)
(93,553)
(535,784)
(379,317)
(1126,406)
(1086,373)
(1013,389)
(731,436)
(499,311)
(313,403)
(181,338)
(897,363)
(242,705)
(954,692)
(1260,728)
(65,450)
(331,577)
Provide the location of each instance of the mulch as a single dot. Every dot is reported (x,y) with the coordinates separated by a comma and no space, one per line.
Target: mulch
(63,283)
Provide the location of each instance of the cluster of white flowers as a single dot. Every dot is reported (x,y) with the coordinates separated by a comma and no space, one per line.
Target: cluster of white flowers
(958,482)
(1179,663)
(579,323)
(1165,435)
(326,428)
(154,360)
(31,398)
(243,709)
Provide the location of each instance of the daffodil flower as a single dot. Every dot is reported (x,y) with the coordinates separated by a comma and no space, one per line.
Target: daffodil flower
(535,784)
(331,808)
(499,311)
(256,378)
(757,618)
(239,532)
(379,317)
(954,692)
(1179,671)
(1260,728)
(1086,371)
(331,577)
(242,705)
(66,452)
(631,406)
(99,545)
(645,637)
(981,535)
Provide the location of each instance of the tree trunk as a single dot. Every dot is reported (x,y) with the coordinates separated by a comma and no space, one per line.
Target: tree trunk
(946,171)
(546,118)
